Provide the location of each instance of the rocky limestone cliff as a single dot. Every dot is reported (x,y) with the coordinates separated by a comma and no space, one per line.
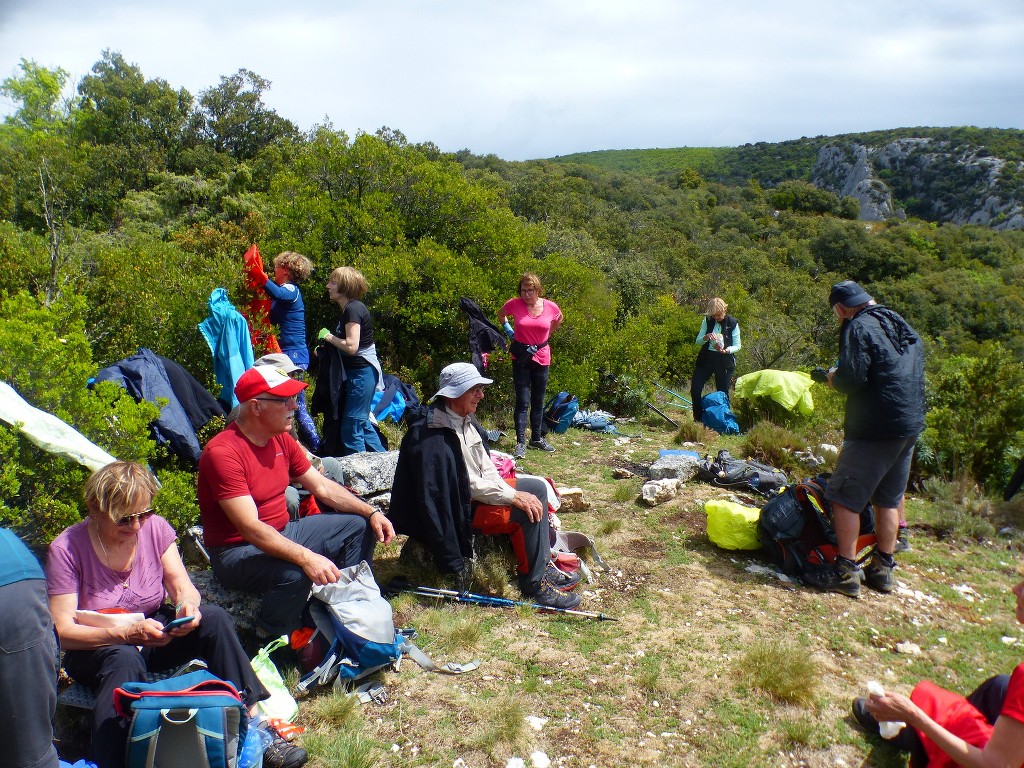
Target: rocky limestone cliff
(930,178)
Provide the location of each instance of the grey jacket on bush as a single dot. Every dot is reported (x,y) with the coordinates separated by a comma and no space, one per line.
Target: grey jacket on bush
(881,370)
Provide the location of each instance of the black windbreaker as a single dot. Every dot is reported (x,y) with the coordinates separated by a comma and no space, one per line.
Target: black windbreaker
(881,370)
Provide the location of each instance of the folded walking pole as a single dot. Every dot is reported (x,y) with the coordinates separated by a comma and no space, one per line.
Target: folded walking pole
(488,600)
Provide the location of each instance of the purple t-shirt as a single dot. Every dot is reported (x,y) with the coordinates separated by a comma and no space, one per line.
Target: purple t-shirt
(74,567)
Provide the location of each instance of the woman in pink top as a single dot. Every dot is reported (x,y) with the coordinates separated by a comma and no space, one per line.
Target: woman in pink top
(535,318)
(123,559)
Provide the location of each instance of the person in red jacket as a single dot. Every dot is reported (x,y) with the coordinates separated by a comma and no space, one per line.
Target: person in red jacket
(944,729)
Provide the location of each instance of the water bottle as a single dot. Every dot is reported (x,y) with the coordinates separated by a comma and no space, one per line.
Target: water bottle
(509,331)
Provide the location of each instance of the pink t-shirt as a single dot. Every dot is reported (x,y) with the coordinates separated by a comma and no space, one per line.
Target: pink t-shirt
(73,567)
(533,330)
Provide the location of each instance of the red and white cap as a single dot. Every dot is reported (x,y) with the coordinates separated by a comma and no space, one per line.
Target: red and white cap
(266,379)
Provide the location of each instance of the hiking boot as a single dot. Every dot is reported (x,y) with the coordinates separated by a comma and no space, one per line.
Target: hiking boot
(542,445)
(843,576)
(520,451)
(862,716)
(281,754)
(878,573)
(549,597)
(902,541)
(559,579)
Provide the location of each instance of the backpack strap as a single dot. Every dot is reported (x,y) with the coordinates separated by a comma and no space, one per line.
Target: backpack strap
(451,668)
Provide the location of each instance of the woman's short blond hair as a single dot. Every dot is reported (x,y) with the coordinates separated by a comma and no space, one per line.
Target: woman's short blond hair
(350,282)
(716,306)
(532,281)
(114,490)
(298,266)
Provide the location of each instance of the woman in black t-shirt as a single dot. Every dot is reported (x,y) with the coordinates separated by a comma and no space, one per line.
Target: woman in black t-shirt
(353,338)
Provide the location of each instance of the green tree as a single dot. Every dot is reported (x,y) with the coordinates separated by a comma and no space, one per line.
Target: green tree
(234,120)
(38,92)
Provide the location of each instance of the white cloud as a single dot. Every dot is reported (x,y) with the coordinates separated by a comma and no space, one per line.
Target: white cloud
(541,77)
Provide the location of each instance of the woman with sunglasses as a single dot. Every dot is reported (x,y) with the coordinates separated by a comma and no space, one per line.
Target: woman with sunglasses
(123,559)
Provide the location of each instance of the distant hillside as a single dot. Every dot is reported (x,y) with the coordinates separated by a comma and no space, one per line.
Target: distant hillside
(957,175)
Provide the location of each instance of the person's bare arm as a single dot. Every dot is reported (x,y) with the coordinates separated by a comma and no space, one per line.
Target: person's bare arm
(349,344)
(78,637)
(340,498)
(1005,748)
(242,513)
(181,592)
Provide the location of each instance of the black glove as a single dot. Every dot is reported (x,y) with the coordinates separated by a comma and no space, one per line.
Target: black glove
(820,375)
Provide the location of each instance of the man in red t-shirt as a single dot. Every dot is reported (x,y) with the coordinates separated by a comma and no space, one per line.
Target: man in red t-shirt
(253,544)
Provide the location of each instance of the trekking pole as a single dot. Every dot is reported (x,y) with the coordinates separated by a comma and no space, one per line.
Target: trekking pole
(496,602)
(687,403)
(615,380)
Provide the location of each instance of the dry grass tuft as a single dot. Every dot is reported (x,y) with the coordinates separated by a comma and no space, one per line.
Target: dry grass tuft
(782,669)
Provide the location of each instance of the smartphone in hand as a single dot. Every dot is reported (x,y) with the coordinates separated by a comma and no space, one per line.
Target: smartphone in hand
(178,623)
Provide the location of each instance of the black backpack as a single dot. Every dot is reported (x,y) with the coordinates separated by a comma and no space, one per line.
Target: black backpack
(741,474)
(797,531)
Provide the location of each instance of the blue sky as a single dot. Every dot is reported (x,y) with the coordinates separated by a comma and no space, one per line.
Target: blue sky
(536,78)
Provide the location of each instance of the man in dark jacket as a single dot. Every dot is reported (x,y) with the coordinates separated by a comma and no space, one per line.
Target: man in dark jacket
(881,371)
(446,487)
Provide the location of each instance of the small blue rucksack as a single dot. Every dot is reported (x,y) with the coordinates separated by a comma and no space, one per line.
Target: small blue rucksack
(560,411)
(191,721)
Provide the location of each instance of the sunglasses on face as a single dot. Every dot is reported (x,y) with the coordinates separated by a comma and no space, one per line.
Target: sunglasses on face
(293,400)
(142,517)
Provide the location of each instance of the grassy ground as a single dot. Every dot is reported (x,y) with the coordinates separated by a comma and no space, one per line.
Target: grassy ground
(714,662)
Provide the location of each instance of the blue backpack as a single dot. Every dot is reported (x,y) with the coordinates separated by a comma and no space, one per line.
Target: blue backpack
(191,721)
(358,625)
(560,411)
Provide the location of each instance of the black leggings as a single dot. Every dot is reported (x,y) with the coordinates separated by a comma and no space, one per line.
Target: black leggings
(531,380)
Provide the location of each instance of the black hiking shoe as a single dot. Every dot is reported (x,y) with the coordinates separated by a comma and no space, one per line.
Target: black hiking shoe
(879,575)
(549,597)
(842,577)
(542,445)
(902,541)
(560,580)
(282,754)
(862,716)
(520,451)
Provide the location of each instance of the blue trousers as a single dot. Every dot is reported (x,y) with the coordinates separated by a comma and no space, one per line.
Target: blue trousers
(345,539)
(357,434)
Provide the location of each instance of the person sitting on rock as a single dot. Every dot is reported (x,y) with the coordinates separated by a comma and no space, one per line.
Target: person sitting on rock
(446,488)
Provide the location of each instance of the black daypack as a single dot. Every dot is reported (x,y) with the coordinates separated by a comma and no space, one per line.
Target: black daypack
(741,474)
(797,530)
